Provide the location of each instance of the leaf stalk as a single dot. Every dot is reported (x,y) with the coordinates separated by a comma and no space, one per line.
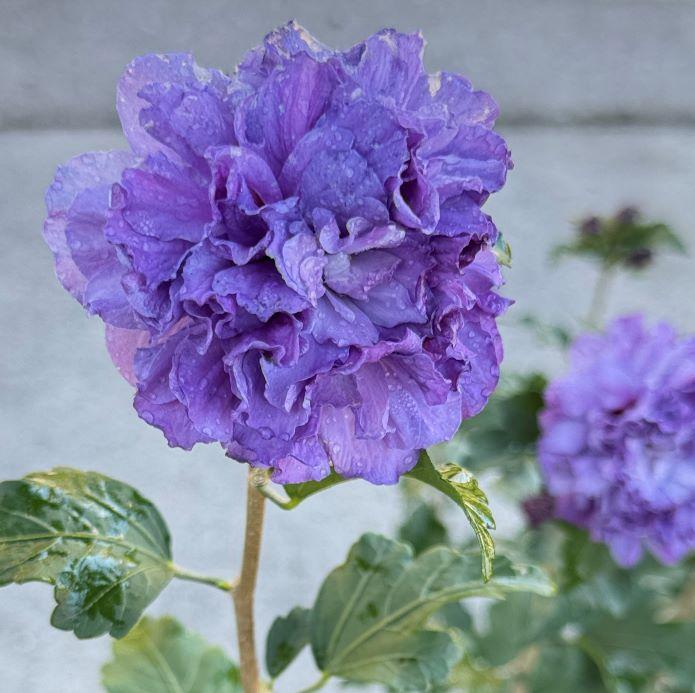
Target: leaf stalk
(191,576)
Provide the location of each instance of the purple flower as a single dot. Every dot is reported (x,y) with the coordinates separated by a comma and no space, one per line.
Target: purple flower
(293,260)
(618,443)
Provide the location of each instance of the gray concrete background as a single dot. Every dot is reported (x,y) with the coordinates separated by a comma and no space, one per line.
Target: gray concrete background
(544,60)
(599,105)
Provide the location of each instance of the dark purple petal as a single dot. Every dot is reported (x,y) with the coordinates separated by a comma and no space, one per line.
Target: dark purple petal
(259,289)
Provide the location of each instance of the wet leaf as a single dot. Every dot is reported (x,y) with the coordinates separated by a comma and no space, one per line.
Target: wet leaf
(104,547)
(461,486)
(161,656)
(369,621)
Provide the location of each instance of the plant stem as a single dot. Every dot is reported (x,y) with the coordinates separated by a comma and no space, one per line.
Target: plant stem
(183,574)
(274,497)
(243,590)
(598,298)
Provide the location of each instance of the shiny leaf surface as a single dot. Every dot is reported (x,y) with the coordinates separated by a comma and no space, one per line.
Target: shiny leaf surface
(462,487)
(102,545)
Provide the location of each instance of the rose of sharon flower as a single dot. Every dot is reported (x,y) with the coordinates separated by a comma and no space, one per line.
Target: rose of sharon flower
(293,260)
(618,440)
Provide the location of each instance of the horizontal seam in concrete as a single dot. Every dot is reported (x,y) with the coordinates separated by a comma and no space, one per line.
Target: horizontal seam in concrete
(530,123)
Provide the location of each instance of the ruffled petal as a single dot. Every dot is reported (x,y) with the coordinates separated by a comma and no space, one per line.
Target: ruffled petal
(287,106)
(87,266)
(372,459)
(294,262)
(169,103)
(122,345)
(155,401)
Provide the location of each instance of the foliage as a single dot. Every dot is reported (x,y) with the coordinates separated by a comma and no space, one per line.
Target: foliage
(605,631)
(503,436)
(423,528)
(102,545)
(624,239)
(160,656)
(300,492)
(503,251)
(369,623)
(546,333)
(287,637)
(461,486)
(449,479)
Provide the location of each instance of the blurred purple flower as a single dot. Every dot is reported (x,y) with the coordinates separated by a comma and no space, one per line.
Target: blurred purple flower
(293,261)
(618,440)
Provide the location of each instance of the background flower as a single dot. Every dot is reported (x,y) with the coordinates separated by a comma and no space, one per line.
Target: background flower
(293,261)
(618,444)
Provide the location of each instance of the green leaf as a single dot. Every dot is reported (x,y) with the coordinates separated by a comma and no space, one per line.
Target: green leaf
(605,631)
(568,665)
(508,426)
(368,622)
(547,333)
(300,492)
(514,624)
(461,486)
(636,647)
(503,251)
(102,545)
(469,675)
(286,639)
(295,493)
(423,529)
(163,657)
(616,240)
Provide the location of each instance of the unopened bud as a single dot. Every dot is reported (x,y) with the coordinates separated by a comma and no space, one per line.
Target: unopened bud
(628,216)
(590,227)
(639,258)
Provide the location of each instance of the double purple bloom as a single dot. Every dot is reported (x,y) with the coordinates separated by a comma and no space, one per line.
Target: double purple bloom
(618,444)
(293,260)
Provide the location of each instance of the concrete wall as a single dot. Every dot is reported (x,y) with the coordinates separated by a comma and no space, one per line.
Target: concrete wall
(599,106)
(545,60)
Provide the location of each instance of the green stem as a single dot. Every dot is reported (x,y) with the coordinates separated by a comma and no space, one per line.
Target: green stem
(598,298)
(183,574)
(317,685)
(274,497)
